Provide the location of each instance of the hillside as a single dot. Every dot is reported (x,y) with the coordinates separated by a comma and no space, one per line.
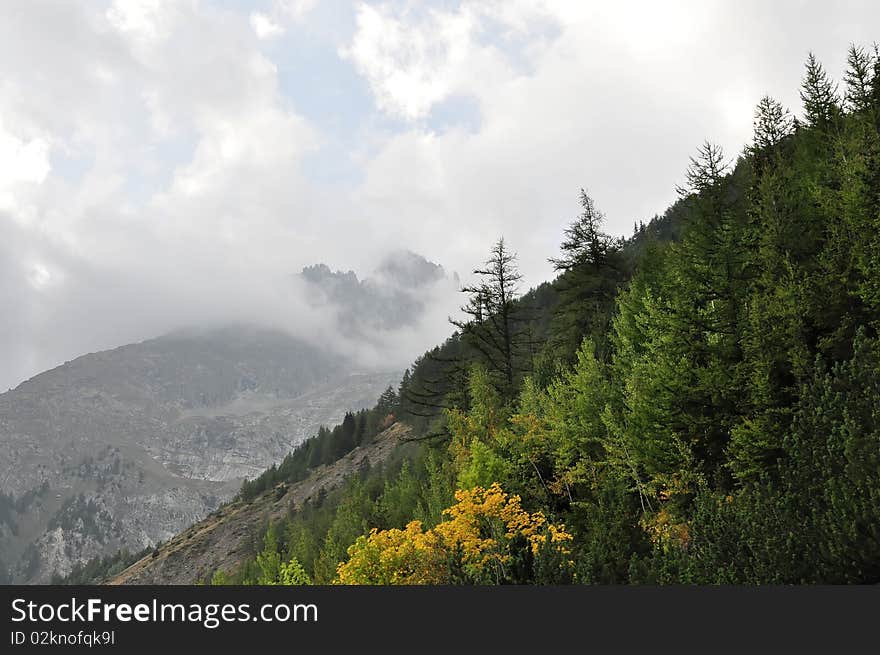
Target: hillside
(226,538)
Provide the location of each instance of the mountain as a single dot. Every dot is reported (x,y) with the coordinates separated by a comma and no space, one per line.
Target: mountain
(124,448)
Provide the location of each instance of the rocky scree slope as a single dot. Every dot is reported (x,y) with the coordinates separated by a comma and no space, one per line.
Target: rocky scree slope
(226,538)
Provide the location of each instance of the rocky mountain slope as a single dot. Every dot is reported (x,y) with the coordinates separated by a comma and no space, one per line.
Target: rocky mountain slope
(124,448)
(225,539)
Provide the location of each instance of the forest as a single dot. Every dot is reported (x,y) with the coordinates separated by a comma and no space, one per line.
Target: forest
(697,403)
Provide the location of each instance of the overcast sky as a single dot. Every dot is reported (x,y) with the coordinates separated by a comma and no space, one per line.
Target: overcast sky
(164,163)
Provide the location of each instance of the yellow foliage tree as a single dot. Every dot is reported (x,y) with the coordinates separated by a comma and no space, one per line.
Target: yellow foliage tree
(394,557)
(479,535)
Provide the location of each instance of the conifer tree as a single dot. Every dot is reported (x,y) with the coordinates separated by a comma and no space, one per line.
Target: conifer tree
(819,94)
(593,268)
(585,243)
(678,342)
(387,401)
(875,84)
(732,435)
(772,123)
(859,78)
(494,327)
(344,437)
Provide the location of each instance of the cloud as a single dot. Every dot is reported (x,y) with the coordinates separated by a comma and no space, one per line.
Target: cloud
(283,12)
(142,18)
(21,161)
(157,159)
(415,60)
(179,196)
(264,26)
(294,9)
(409,67)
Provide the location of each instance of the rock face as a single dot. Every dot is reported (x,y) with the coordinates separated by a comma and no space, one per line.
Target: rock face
(124,448)
(225,538)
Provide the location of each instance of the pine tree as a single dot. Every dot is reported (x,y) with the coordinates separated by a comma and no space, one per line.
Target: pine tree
(593,268)
(387,401)
(585,244)
(705,171)
(875,84)
(772,123)
(819,95)
(678,344)
(859,78)
(405,383)
(344,437)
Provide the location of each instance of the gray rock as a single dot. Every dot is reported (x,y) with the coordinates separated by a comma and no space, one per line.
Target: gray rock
(124,448)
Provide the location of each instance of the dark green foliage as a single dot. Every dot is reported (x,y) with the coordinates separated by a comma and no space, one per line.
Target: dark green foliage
(819,95)
(435,382)
(802,507)
(772,124)
(835,465)
(607,533)
(859,79)
(593,268)
(818,521)
(438,380)
(387,401)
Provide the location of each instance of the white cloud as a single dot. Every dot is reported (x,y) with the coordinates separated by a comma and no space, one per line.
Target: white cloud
(264,26)
(294,9)
(21,161)
(415,60)
(282,13)
(147,20)
(39,276)
(410,66)
(181,184)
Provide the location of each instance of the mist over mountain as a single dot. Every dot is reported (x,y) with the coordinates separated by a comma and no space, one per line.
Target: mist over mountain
(123,447)
(396,295)
(383,315)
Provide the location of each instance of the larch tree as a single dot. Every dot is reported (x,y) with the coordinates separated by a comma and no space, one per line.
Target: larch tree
(819,94)
(592,268)
(772,123)
(859,79)
(493,326)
